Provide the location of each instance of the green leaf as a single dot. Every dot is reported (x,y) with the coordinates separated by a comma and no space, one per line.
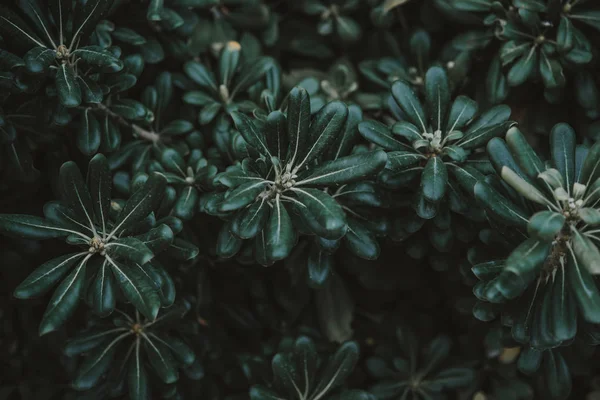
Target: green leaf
(67,88)
(137,287)
(586,252)
(141,203)
(590,17)
(346,169)
(88,135)
(527,257)
(159,238)
(181,351)
(551,71)
(228,61)
(501,156)
(344,143)
(129,248)
(494,116)
(323,209)
(15,31)
(361,241)
(437,96)
(208,113)
(408,131)
(467,177)
(502,208)
(103,291)
(197,98)
(298,119)
(381,135)
(96,55)
(181,250)
(65,299)
(564,309)
(202,76)
(99,183)
(305,361)
(545,225)
(262,393)
(583,286)
(187,203)
(480,137)
(558,375)
(243,195)
(590,171)
(523,68)
(327,125)
(173,161)
(75,193)
(434,180)
(161,359)
(249,222)
(451,378)
(319,267)
(177,127)
(335,309)
(89,339)
(337,369)
(129,109)
(96,364)
(461,113)
(409,103)
(250,73)
(495,82)
(279,233)
(86,16)
(590,216)
(562,148)
(254,136)
(128,36)
(31,227)
(523,153)
(523,187)
(398,161)
(46,275)
(228,245)
(276,134)
(164,91)
(90,90)
(39,59)
(137,379)
(285,372)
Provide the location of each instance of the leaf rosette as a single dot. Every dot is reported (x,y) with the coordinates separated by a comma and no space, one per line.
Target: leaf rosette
(286,190)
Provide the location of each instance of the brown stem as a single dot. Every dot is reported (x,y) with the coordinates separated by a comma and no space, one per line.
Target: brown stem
(138,130)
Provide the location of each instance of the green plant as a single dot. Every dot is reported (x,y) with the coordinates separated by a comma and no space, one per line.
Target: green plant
(304,199)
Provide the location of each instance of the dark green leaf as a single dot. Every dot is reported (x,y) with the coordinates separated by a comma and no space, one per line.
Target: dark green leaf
(437,96)
(346,169)
(65,299)
(279,233)
(562,142)
(141,203)
(31,227)
(137,288)
(88,135)
(434,180)
(298,119)
(409,103)
(46,275)
(67,88)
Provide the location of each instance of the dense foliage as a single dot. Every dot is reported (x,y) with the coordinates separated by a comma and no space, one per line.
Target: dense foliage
(300,199)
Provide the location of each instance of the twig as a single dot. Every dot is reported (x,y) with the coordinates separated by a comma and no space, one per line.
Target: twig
(138,130)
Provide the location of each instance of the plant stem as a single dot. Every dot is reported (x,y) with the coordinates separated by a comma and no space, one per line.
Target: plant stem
(138,130)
